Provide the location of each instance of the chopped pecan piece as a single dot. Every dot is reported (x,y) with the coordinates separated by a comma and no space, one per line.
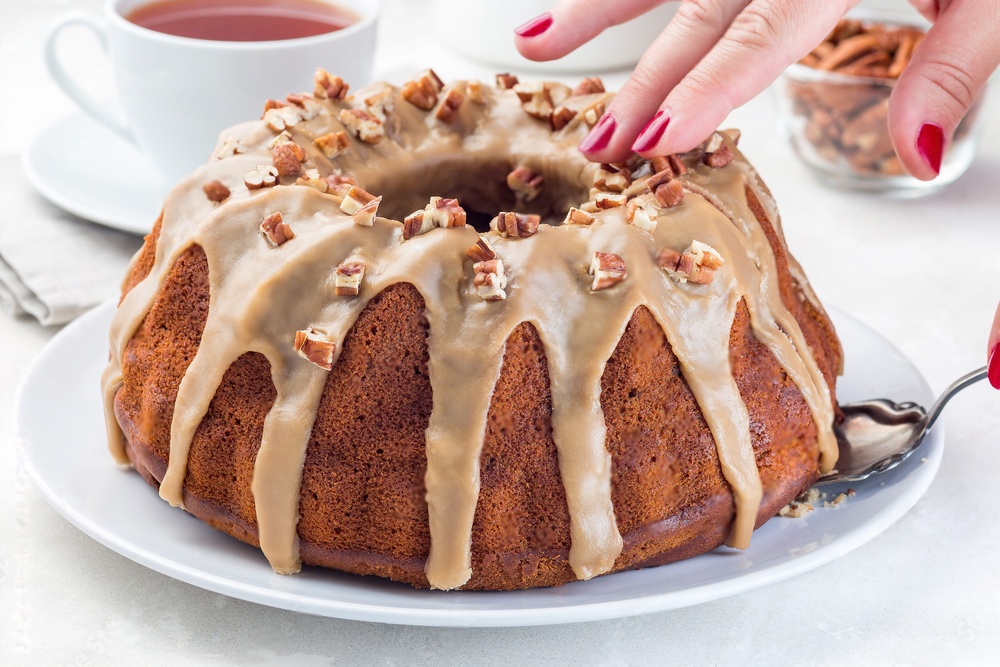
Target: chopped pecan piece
(272,104)
(672,162)
(536,99)
(593,113)
(264,176)
(482,250)
(311,178)
(414,225)
(589,86)
(365,216)
(314,345)
(696,265)
(506,81)
(475,91)
(287,158)
(560,118)
(308,107)
(518,225)
(363,125)
(670,193)
(329,86)
(443,212)
(422,92)
(490,279)
(606,200)
(216,191)
(340,185)
(333,143)
(525,183)
(355,200)
(449,106)
(280,119)
(347,280)
(717,153)
(577,217)
(639,214)
(275,230)
(231,146)
(608,269)
(612,179)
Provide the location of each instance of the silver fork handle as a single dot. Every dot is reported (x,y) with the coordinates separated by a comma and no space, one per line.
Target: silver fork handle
(956,386)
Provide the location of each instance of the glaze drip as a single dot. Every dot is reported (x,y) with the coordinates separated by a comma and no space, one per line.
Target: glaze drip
(261,295)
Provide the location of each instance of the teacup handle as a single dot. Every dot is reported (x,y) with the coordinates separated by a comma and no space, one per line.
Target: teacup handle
(108,114)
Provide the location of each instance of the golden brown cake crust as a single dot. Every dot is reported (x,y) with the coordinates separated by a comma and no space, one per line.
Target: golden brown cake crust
(362,500)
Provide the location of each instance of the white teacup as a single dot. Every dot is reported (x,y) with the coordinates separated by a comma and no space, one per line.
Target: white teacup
(175,94)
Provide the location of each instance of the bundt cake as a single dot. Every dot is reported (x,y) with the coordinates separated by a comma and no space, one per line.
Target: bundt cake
(411,332)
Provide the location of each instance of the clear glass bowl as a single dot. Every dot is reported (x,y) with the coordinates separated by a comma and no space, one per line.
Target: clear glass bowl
(837,125)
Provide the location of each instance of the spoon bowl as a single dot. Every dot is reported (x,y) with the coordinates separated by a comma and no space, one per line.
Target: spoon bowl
(878,435)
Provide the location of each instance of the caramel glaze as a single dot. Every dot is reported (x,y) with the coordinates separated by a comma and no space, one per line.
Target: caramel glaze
(260,296)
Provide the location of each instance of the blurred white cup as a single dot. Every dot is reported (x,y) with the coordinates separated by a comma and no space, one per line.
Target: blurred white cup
(176,94)
(484,30)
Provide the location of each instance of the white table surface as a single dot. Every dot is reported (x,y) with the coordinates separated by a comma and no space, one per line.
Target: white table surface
(925,274)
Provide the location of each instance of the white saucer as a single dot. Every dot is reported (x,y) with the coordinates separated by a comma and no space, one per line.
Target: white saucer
(83,167)
(69,461)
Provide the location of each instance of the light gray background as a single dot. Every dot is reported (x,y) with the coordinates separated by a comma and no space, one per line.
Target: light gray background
(924,274)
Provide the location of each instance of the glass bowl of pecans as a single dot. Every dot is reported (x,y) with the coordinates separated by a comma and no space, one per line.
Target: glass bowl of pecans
(835,105)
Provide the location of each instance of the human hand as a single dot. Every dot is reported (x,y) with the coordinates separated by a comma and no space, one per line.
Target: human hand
(715,55)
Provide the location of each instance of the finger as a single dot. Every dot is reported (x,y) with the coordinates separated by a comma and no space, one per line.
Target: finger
(993,352)
(691,33)
(766,37)
(572,23)
(929,9)
(944,78)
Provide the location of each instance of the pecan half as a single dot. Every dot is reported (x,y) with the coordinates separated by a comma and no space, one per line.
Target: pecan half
(264,176)
(525,183)
(216,191)
(313,344)
(348,277)
(287,158)
(518,225)
(608,269)
(275,230)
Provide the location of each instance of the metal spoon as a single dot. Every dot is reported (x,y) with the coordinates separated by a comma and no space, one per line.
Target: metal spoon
(878,435)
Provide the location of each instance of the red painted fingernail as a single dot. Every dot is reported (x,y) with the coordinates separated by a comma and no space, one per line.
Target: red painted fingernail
(651,134)
(535,26)
(993,367)
(930,145)
(600,136)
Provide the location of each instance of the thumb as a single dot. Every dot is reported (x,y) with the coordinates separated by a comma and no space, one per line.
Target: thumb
(942,82)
